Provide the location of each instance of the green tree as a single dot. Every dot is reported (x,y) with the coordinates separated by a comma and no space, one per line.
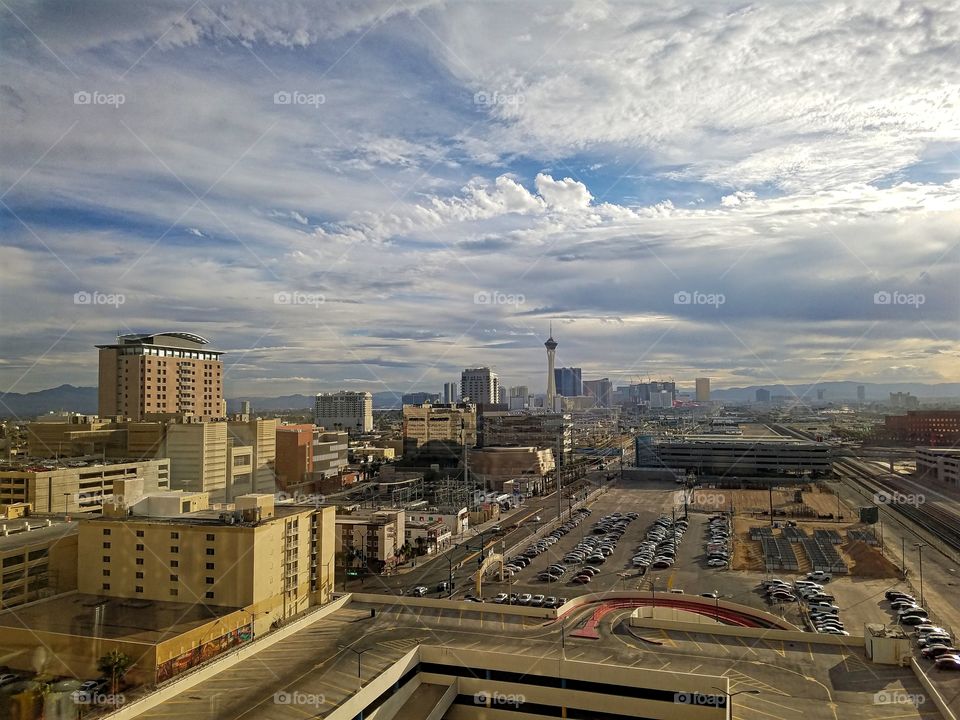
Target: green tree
(114,665)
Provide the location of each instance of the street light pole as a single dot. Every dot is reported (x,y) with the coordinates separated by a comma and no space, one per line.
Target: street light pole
(920,546)
(730,696)
(359,654)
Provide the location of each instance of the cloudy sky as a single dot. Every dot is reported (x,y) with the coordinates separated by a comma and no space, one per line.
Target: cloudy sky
(375,194)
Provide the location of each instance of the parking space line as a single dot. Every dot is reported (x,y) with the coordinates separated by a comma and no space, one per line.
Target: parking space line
(690,637)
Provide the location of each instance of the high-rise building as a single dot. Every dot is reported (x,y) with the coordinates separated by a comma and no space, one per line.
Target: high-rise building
(450,396)
(762,395)
(220,559)
(861,393)
(703,390)
(419,397)
(601,390)
(345,410)
(261,435)
(551,346)
(480,385)
(449,423)
(569,381)
(169,372)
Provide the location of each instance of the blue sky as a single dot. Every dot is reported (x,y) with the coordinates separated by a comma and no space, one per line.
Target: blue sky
(378,194)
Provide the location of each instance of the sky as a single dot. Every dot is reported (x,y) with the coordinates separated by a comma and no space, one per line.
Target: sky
(366,194)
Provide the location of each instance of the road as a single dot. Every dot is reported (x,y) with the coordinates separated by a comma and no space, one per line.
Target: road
(462,561)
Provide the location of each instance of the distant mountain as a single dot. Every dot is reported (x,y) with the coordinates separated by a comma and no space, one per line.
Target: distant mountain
(838,391)
(27,406)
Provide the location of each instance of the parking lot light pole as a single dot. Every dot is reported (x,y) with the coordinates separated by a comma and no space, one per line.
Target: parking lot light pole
(920,546)
(731,695)
(359,654)
(716,596)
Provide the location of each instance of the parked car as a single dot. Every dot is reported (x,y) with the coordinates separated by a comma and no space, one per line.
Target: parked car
(935,651)
(947,662)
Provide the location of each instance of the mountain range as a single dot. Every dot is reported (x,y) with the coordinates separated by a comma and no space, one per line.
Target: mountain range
(84,399)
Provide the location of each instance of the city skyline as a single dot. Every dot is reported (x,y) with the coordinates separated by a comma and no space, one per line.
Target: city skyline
(751,219)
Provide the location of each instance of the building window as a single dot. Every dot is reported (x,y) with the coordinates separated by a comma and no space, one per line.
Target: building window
(174,548)
(139,575)
(106,531)
(174,536)
(106,546)
(209,595)
(174,563)
(174,578)
(138,588)
(139,533)
(106,572)
(139,561)
(105,586)
(209,581)
(173,592)
(210,566)
(210,551)
(139,547)
(211,537)
(106,558)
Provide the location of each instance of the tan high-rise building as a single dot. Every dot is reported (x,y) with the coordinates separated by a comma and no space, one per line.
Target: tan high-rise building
(171,372)
(703,390)
(451,423)
(274,561)
(261,435)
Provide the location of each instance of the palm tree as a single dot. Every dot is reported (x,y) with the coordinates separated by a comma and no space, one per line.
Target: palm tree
(114,665)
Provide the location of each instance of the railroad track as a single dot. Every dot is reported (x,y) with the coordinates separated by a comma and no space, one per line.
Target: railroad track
(939,522)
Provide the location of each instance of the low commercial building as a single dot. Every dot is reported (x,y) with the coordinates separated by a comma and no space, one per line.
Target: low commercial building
(922,427)
(456,519)
(497,465)
(940,464)
(75,484)
(370,539)
(428,537)
(706,455)
(540,430)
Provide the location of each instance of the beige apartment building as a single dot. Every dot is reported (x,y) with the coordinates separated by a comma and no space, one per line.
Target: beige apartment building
(169,372)
(75,484)
(38,559)
(451,423)
(273,561)
(204,456)
(528,466)
(261,436)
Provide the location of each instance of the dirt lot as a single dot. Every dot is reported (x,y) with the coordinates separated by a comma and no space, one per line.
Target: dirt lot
(864,561)
(750,502)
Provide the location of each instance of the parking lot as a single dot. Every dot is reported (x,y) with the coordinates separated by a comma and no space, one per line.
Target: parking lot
(617,571)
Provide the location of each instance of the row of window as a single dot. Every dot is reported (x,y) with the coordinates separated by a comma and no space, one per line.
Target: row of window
(174,592)
(175,535)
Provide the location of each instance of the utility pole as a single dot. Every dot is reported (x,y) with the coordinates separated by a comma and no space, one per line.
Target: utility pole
(920,546)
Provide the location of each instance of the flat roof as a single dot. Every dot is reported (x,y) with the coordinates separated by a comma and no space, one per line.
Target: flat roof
(40,532)
(137,620)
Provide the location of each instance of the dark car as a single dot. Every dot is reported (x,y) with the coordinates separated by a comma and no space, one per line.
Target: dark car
(935,651)
(948,662)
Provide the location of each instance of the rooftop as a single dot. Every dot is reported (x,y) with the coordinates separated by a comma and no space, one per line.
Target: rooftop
(39,532)
(138,620)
